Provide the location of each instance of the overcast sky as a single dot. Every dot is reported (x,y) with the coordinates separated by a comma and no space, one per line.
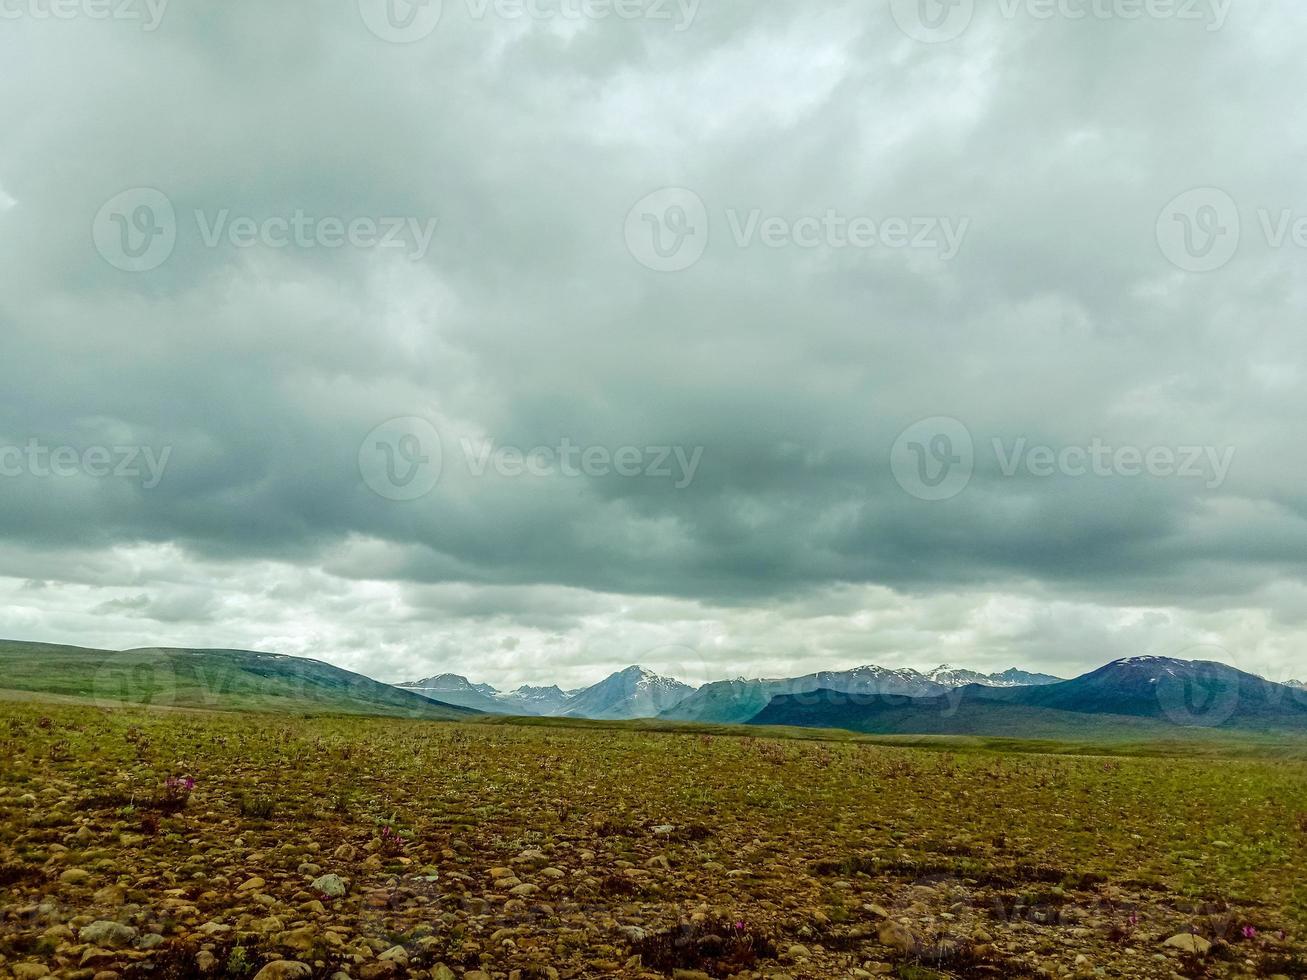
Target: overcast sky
(529,340)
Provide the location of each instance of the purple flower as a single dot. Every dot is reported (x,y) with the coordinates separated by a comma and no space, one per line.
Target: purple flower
(1249,932)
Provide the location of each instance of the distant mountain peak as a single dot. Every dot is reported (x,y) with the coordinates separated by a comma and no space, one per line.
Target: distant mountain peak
(636,692)
(531,689)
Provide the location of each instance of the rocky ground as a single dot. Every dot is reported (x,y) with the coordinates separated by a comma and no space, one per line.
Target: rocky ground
(172,845)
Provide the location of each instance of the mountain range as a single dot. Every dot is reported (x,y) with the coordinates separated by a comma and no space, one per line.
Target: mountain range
(457,689)
(727,702)
(1141,696)
(638,692)
(1144,697)
(635,692)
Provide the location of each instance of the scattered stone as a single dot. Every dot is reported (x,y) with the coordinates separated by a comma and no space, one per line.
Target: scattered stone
(1189,943)
(896,936)
(285,970)
(107,933)
(331,885)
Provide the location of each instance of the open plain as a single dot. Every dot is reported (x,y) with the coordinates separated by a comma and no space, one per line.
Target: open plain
(179,843)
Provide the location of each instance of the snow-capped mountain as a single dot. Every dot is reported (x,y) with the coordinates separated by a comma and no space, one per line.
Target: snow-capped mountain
(1138,696)
(740,700)
(950,676)
(457,689)
(729,702)
(637,692)
(631,693)
(538,700)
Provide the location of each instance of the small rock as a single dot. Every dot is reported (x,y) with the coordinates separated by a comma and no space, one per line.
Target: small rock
(284,970)
(333,886)
(896,936)
(107,933)
(1189,943)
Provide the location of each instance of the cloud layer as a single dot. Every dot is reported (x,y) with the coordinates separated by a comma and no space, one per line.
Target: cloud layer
(808,316)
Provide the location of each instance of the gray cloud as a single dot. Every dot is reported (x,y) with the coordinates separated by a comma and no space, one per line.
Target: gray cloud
(1059,322)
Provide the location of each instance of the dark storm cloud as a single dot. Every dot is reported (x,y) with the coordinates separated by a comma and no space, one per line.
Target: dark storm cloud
(528,323)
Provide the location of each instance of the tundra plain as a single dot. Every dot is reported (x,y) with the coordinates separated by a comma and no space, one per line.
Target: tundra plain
(147,843)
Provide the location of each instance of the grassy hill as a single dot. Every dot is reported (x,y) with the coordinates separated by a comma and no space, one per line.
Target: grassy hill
(220,679)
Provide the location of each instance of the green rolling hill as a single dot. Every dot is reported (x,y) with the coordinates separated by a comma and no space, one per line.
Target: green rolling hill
(218,679)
